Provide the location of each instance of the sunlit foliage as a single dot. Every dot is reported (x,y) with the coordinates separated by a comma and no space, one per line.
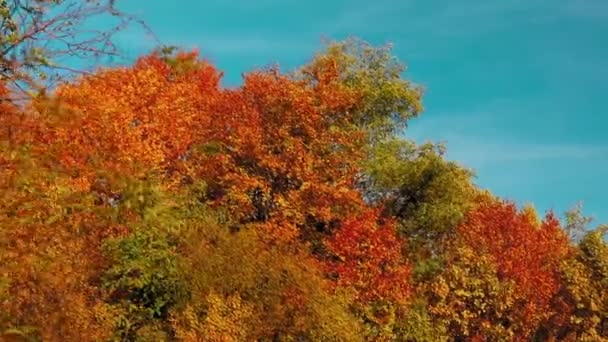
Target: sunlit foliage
(149,203)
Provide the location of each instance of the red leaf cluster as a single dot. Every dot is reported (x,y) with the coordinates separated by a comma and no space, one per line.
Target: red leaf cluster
(370,259)
(525,251)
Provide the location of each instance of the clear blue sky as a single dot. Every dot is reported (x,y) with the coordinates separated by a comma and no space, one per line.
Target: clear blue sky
(518,89)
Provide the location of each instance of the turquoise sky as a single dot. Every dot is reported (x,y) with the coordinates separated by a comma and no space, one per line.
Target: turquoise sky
(518,89)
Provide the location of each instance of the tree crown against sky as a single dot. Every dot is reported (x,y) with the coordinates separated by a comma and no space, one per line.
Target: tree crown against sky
(148,202)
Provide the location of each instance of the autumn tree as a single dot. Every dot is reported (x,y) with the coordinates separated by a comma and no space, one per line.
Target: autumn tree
(525,251)
(128,120)
(266,153)
(278,152)
(244,289)
(469,299)
(582,304)
(388,100)
(368,259)
(148,202)
(49,254)
(426,194)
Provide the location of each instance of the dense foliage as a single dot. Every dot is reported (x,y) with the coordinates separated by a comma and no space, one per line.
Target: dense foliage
(149,203)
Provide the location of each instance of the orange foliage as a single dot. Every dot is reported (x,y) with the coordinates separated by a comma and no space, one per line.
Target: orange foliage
(524,250)
(130,119)
(282,155)
(50,256)
(274,150)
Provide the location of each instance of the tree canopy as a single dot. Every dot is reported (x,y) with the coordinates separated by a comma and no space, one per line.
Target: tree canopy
(149,203)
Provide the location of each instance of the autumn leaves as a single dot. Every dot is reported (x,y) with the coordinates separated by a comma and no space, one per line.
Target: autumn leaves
(149,203)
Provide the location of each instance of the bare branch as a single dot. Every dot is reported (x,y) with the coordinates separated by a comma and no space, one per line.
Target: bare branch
(36,37)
